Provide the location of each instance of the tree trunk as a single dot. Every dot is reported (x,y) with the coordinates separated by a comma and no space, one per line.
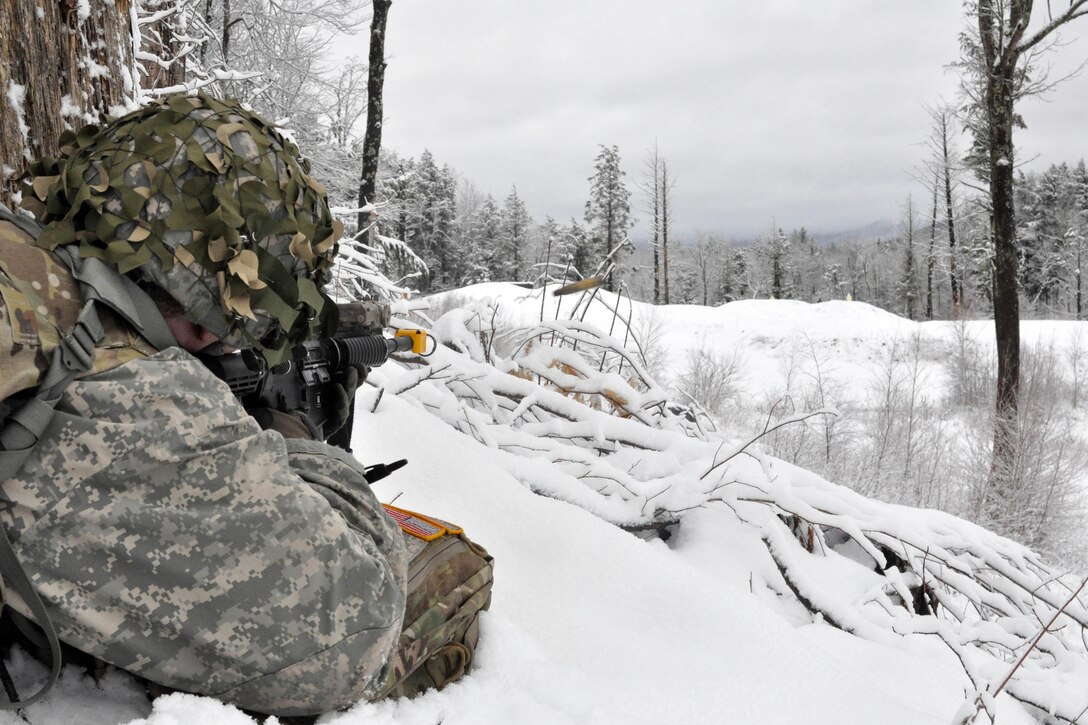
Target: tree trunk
(931,261)
(610,219)
(957,284)
(1080,278)
(665,226)
(656,243)
(160,39)
(48,52)
(207,22)
(225,38)
(372,140)
(999,101)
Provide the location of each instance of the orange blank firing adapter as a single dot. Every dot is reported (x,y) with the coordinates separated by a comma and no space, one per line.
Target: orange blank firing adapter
(419,340)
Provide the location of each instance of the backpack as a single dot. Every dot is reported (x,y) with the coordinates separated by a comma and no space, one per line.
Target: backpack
(42,294)
(449,584)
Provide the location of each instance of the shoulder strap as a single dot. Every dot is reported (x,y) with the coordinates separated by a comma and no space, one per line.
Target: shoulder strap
(28,224)
(16,579)
(19,436)
(101,282)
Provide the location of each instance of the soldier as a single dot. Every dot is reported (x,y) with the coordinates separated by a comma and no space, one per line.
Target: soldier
(168,532)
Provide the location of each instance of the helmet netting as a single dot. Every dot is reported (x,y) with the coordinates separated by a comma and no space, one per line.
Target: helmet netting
(207,201)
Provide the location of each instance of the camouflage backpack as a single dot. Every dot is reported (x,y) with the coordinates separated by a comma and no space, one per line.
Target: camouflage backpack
(449,584)
(51,332)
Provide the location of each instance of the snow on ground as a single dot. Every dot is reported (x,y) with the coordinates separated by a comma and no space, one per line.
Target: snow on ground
(849,338)
(592,625)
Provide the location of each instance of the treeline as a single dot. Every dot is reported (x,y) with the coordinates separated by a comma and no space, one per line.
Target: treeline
(461,235)
(927,269)
(935,265)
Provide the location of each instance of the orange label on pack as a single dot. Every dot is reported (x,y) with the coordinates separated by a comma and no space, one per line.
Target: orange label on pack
(422,527)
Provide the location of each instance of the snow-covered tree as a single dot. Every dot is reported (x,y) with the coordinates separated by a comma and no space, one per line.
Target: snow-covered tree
(484,251)
(608,212)
(907,287)
(429,213)
(576,246)
(513,244)
(774,251)
(732,275)
(1047,225)
(1000,67)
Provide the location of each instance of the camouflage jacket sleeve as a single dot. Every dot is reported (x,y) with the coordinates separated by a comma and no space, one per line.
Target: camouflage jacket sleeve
(170,536)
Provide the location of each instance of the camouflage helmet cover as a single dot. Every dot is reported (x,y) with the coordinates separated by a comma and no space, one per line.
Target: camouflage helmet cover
(205,200)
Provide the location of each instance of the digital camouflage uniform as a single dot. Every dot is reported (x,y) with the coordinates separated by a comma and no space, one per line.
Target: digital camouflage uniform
(172,537)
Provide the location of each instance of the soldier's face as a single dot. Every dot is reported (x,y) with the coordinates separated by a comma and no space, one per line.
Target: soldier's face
(190,336)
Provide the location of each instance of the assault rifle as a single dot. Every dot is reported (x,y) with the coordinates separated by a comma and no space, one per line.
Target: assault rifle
(305,383)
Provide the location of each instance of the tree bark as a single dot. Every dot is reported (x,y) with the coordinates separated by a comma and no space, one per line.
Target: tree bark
(372,140)
(1006,284)
(49,53)
(1000,97)
(228,22)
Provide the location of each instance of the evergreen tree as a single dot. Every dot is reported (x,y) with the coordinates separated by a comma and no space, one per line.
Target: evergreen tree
(608,212)
(397,181)
(577,247)
(1080,238)
(483,255)
(1046,225)
(907,286)
(430,222)
(807,267)
(834,282)
(552,259)
(687,288)
(775,251)
(732,275)
(513,243)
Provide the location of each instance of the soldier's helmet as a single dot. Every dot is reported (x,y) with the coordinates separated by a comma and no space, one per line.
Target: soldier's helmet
(207,201)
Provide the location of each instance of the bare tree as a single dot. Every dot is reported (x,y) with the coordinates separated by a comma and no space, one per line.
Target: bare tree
(703,255)
(945,168)
(276,56)
(931,256)
(998,71)
(348,96)
(651,187)
(667,183)
(372,141)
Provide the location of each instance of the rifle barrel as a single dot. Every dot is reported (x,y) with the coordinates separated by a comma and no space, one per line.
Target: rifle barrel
(368,350)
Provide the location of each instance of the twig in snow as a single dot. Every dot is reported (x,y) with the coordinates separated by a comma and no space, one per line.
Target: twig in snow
(776,426)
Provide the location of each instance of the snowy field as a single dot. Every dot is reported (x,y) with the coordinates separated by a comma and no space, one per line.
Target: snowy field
(592,625)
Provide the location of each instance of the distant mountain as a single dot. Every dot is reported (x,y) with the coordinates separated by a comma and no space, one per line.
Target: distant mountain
(878,229)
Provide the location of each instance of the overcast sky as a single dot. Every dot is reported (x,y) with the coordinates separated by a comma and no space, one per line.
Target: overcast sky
(796,112)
